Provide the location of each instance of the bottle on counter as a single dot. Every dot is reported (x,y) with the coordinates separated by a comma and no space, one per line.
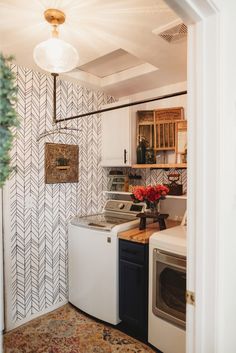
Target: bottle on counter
(141,151)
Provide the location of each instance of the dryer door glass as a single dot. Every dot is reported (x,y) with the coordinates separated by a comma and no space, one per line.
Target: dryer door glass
(169,287)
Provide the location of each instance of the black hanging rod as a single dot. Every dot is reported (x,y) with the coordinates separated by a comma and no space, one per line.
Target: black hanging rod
(55,120)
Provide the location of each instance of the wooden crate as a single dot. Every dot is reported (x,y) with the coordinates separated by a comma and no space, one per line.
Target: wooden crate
(169,114)
(161,127)
(145,126)
(181,140)
(165,135)
(145,117)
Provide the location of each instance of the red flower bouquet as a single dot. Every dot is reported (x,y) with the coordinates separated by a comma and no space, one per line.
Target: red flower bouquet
(150,194)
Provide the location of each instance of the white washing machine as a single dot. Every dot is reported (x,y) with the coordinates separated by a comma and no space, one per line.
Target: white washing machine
(167,288)
(93,258)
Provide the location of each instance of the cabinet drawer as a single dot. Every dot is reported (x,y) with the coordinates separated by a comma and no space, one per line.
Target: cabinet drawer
(131,251)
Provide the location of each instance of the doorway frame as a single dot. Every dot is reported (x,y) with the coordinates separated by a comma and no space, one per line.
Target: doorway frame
(203,112)
(203,20)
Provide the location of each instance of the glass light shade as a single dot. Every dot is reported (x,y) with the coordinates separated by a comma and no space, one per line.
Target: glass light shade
(55,55)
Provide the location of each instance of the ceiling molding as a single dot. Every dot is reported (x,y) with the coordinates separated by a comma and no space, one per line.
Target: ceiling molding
(128,74)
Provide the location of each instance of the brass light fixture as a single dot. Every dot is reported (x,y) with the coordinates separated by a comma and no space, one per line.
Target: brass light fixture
(55,55)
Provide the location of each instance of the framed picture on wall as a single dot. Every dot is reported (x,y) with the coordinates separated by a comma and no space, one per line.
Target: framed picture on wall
(61,163)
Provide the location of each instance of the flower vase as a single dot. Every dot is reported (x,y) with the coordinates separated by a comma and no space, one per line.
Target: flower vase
(152,207)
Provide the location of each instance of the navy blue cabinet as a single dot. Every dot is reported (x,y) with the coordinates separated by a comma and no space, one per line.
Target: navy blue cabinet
(133,288)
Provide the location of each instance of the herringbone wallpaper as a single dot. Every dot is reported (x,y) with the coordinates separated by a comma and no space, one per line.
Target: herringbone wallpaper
(39,212)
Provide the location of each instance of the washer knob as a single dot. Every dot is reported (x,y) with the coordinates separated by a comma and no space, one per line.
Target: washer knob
(121,206)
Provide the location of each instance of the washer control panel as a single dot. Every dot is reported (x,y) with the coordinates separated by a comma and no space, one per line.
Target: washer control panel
(124,206)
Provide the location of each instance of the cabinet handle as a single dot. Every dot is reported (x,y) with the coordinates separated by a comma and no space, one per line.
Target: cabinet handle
(125,158)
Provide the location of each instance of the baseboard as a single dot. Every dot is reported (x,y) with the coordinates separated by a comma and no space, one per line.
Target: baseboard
(13,325)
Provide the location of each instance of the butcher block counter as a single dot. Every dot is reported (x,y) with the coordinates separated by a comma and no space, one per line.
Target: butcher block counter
(142,236)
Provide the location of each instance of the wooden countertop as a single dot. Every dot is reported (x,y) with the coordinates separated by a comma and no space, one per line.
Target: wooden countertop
(142,236)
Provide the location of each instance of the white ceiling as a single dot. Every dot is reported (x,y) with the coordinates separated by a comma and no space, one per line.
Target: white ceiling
(112,63)
(117,40)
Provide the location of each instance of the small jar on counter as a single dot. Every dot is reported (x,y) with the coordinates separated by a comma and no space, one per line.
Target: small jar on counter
(149,156)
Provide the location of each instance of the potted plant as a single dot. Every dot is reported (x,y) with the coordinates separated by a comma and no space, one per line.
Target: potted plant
(8,115)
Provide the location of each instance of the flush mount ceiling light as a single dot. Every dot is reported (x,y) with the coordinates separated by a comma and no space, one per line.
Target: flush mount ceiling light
(55,55)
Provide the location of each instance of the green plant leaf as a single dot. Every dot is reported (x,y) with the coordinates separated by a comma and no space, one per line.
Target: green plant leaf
(8,115)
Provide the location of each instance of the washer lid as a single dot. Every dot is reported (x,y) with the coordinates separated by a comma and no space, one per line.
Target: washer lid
(172,240)
(103,221)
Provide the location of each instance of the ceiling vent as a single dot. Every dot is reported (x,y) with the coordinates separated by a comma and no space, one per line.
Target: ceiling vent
(174,34)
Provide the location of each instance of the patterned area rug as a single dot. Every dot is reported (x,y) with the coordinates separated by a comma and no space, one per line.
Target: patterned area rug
(67,330)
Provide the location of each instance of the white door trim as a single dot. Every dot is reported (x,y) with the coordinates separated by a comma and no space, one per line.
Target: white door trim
(203,169)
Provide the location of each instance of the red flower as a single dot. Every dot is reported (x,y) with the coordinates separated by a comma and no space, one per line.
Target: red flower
(139,193)
(150,193)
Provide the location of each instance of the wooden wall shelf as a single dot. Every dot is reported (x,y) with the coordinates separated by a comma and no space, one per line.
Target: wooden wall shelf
(160,166)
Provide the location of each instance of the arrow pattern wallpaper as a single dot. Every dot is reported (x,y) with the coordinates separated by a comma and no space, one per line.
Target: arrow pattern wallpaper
(39,211)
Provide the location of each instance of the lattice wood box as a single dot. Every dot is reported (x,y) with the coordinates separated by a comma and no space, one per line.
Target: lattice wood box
(168,114)
(61,163)
(160,127)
